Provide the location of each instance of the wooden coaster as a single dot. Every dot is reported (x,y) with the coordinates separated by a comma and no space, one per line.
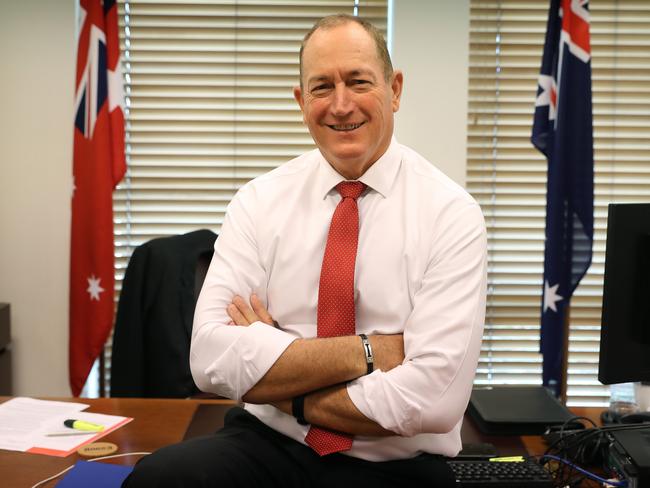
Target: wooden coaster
(97,449)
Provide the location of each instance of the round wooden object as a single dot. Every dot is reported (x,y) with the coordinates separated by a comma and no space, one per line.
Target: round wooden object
(97,449)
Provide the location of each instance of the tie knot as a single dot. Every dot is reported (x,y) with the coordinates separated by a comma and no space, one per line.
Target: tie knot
(350,189)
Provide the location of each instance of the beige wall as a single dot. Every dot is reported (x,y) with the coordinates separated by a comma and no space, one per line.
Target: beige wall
(38,48)
(431,46)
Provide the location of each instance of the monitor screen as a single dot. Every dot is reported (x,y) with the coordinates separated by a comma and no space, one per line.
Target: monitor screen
(625,326)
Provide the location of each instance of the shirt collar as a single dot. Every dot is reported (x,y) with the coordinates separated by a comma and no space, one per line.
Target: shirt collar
(380,176)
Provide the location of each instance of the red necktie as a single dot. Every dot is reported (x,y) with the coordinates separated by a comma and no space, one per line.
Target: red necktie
(336,295)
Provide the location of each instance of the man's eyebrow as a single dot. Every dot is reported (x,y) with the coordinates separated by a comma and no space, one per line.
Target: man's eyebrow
(318,79)
(350,74)
(361,72)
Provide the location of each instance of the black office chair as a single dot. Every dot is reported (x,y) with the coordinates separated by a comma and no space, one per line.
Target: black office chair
(153,327)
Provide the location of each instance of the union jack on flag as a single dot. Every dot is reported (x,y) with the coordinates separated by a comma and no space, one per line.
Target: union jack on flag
(98,165)
(562,130)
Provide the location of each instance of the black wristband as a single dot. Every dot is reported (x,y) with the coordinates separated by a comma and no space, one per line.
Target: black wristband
(298,409)
(367,349)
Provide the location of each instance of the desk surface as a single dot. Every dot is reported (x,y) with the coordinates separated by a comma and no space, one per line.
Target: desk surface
(159,422)
(156,423)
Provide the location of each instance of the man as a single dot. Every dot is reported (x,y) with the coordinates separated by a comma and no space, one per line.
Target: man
(362,236)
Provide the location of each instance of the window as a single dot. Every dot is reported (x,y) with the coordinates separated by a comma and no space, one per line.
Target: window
(508,176)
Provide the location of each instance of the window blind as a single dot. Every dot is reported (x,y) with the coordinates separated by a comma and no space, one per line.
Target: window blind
(508,176)
(209,106)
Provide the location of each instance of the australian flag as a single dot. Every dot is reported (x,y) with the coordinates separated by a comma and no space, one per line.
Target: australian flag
(562,130)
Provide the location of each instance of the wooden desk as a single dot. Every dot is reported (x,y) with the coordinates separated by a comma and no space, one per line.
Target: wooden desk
(160,422)
(156,423)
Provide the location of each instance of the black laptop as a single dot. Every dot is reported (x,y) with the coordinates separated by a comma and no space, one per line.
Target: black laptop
(516,410)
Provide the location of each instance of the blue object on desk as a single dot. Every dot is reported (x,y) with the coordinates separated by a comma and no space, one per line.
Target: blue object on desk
(95,474)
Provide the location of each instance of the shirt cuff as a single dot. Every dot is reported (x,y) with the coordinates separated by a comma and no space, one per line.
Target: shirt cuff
(248,359)
(375,397)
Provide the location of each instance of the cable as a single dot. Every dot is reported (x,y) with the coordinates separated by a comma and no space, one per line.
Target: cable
(582,447)
(90,461)
(53,477)
(578,440)
(574,444)
(578,417)
(585,472)
(119,455)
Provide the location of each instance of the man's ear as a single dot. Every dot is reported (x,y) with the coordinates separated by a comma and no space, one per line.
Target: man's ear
(297,94)
(396,85)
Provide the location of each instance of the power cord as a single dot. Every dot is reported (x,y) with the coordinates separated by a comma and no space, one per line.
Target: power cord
(589,474)
(40,483)
(584,446)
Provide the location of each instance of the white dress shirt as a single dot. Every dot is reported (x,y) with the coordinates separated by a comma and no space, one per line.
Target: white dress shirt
(420,271)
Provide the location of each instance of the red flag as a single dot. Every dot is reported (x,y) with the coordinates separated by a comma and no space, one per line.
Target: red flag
(98,165)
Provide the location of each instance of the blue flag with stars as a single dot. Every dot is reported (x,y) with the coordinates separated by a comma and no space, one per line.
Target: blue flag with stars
(562,130)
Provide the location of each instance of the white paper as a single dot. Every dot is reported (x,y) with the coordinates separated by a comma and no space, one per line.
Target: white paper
(22,418)
(26,424)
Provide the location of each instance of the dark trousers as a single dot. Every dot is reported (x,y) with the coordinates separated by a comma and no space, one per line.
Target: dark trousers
(246,453)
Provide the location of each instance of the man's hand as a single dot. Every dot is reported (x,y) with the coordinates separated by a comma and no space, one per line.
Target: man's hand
(241,313)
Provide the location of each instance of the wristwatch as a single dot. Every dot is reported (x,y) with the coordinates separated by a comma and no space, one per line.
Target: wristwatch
(298,409)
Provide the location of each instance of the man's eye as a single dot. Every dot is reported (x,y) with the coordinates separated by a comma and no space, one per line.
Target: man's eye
(319,88)
(360,82)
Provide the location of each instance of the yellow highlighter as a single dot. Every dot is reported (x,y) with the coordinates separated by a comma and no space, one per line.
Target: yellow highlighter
(508,459)
(83,425)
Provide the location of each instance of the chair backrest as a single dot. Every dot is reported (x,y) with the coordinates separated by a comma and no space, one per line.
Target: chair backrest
(202,265)
(153,327)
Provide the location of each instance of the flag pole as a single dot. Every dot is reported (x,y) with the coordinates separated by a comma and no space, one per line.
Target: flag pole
(564,378)
(102,373)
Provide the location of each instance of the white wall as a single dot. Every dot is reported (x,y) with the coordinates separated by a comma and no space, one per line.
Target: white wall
(431,47)
(37,47)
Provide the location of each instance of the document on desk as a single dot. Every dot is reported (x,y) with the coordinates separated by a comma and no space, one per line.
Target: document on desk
(36,426)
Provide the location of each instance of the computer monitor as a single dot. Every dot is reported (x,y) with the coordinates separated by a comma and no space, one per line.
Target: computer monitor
(625,326)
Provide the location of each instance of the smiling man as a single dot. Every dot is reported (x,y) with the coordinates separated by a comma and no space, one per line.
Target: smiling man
(348,93)
(345,300)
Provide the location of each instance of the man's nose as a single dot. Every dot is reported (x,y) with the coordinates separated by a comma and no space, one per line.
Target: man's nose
(341,101)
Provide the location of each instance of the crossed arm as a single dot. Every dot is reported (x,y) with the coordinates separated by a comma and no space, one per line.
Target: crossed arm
(426,373)
(327,403)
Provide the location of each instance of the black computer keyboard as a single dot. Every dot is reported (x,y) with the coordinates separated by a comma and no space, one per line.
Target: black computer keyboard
(478,474)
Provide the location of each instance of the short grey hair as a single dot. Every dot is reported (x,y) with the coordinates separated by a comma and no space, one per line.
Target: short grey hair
(336,20)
